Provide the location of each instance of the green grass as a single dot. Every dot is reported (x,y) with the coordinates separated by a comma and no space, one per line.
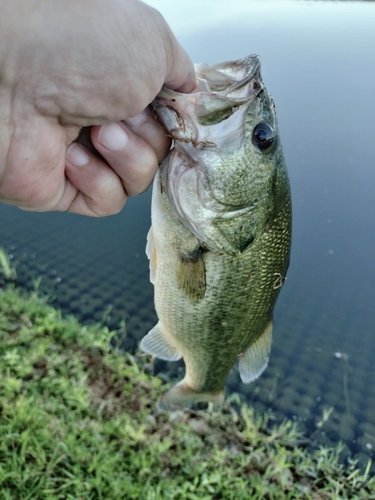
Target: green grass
(77,422)
(6,269)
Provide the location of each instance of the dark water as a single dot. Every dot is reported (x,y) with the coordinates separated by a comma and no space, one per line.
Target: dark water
(319,65)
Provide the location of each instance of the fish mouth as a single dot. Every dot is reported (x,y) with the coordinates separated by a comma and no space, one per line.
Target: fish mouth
(230,77)
(221,90)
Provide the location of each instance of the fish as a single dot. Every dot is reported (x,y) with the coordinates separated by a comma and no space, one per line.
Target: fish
(220,236)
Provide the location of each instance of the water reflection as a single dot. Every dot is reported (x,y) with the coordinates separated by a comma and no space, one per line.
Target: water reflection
(319,65)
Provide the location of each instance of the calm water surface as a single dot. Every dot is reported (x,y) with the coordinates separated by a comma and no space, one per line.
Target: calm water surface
(319,65)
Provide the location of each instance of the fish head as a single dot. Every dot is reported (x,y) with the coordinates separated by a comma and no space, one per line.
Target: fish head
(225,140)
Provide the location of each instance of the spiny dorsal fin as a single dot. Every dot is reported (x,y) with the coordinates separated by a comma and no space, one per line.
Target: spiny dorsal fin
(151,254)
(156,344)
(255,359)
(191,274)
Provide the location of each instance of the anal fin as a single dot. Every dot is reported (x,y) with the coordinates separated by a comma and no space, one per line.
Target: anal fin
(155,343)
(255,359)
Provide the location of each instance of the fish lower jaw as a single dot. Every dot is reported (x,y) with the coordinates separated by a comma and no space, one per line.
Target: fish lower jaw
(183,396)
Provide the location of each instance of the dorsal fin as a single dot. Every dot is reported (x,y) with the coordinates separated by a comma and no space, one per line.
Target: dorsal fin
(255,359)
(156,343)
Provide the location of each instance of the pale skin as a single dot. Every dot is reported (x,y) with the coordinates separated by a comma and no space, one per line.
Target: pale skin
(68,64)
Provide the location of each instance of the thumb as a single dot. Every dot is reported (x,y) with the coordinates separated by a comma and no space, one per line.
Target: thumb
(181,74)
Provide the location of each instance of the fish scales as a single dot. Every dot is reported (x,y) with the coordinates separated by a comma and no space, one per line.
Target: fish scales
(221,229)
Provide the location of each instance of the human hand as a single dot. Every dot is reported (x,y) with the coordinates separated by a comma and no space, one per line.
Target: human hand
(80,63)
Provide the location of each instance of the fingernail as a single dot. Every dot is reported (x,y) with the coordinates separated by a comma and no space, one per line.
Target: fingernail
(77,156)
(113,137)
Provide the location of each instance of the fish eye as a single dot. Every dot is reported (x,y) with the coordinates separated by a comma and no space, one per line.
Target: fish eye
(263,136)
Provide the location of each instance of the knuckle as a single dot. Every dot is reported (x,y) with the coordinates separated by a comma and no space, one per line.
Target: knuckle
(105,211)
(111,203)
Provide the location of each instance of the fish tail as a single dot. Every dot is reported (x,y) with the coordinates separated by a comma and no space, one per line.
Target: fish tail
(182,395)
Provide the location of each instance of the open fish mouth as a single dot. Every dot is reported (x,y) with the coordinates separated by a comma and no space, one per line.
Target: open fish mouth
(222,90)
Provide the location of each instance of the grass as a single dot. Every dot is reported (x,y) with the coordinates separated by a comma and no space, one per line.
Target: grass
(6,269)
(77,422)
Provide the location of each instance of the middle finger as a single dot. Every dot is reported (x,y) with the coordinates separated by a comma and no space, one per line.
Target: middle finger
(133,159)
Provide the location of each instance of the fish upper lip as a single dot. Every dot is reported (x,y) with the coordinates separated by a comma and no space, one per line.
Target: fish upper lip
(255,71)
(252,63)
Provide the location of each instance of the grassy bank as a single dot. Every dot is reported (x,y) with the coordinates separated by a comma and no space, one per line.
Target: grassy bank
(77,422)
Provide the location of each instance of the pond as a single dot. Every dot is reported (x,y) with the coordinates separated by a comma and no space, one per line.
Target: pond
(318,63)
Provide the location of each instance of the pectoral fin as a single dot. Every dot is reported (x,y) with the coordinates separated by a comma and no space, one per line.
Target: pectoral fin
(158,345)
(191,274)
(255,359)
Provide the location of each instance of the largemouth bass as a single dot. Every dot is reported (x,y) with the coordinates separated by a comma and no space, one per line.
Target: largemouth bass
(221,229)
